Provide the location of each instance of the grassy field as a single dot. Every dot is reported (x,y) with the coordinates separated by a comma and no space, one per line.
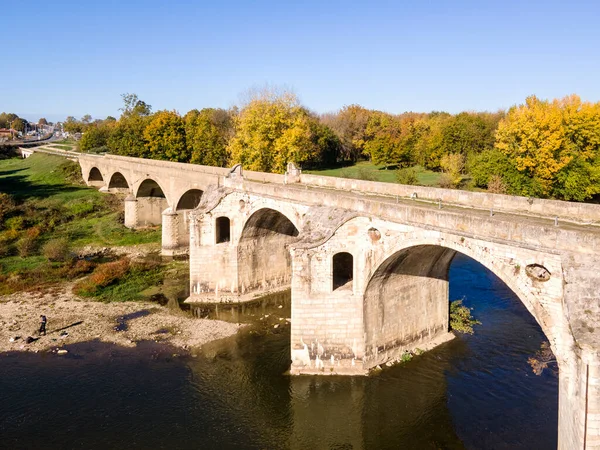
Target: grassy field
(366,170)
(42,203)
(62,146)
(49,185)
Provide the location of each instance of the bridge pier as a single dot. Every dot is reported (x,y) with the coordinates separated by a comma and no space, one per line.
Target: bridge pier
(144,211)
(131,211)
(175,232)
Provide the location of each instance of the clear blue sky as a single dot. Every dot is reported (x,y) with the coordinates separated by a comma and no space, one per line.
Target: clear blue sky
(72,58)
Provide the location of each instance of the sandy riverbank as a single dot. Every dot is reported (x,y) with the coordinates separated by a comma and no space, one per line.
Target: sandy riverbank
(72,320)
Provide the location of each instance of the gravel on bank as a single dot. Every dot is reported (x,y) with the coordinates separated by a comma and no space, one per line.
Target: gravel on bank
(72,319)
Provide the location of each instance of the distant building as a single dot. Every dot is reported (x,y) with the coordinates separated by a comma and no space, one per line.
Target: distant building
(7,132)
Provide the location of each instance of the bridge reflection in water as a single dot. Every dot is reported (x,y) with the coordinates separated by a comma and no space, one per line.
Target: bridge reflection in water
(475,391)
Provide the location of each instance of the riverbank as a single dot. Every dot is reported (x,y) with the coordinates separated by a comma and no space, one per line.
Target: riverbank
(73,320)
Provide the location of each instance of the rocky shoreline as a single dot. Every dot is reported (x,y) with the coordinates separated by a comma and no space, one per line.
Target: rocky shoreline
(74,320)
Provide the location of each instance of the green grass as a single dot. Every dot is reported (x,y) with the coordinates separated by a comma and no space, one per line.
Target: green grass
(12,264)
(65,141)
(131,286)
(49,199)
(62,147)
(366,170)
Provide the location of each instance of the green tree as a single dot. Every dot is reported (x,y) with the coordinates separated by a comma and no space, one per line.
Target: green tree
(96,136)
(19,124)
(207,135)
(383,140)
(469,133)
(165,137)
(72,125)
(42,121)
(133,106)
(127,137)
(6,119)
(329,145)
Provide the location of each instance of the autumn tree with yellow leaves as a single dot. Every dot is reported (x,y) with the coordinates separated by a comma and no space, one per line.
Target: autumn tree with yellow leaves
(165,137)
(273,129)
(556,145)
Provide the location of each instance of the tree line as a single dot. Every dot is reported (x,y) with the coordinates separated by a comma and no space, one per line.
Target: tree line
(14,122)
(542,148)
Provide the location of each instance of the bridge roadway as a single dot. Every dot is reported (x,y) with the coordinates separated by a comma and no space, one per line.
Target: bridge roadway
(368,265)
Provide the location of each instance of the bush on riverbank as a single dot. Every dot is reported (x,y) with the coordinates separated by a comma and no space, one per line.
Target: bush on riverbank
(461,319)
(121,280)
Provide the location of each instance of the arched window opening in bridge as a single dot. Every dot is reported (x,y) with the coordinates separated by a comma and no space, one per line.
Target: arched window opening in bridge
(95,175)
(118,181)
(150,188)
(189,200)
(223,229)
(343,270)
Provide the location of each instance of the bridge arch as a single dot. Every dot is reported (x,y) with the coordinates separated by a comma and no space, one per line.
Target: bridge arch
(189,200)
(263,257)
(118,181)
(95,177)
(150,188)
(422,264)
(151,202)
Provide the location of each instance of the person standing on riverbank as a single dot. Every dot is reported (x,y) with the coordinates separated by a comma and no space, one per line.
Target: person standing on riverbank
(43,321)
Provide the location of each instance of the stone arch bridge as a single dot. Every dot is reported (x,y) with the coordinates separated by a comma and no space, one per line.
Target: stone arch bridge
(368,262)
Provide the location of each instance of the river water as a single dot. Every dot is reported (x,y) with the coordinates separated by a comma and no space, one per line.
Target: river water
(474,392)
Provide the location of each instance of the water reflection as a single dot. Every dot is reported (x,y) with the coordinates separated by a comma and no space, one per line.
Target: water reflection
(473,392)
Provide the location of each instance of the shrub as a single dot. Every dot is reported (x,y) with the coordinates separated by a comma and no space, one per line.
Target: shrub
(7,206)
(81,209)
(56,249)
(407,176)
(16,223)
(26,246)
(365,174)
(461,319)
(110,272)
(72,172)
(496,185)
(103,275)
(445,181)
(77,268)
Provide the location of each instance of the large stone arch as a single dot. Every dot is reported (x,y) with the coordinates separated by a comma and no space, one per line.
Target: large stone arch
(263,257)
(428,248)
(249,206)
(372,241)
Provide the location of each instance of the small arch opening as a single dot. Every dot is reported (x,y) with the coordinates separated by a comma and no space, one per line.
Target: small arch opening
(223,229)
(343,270)
(118,181)
(189,200)
(150,188)
(95,175)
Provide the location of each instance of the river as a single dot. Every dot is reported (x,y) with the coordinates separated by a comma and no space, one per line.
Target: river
(474,392)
